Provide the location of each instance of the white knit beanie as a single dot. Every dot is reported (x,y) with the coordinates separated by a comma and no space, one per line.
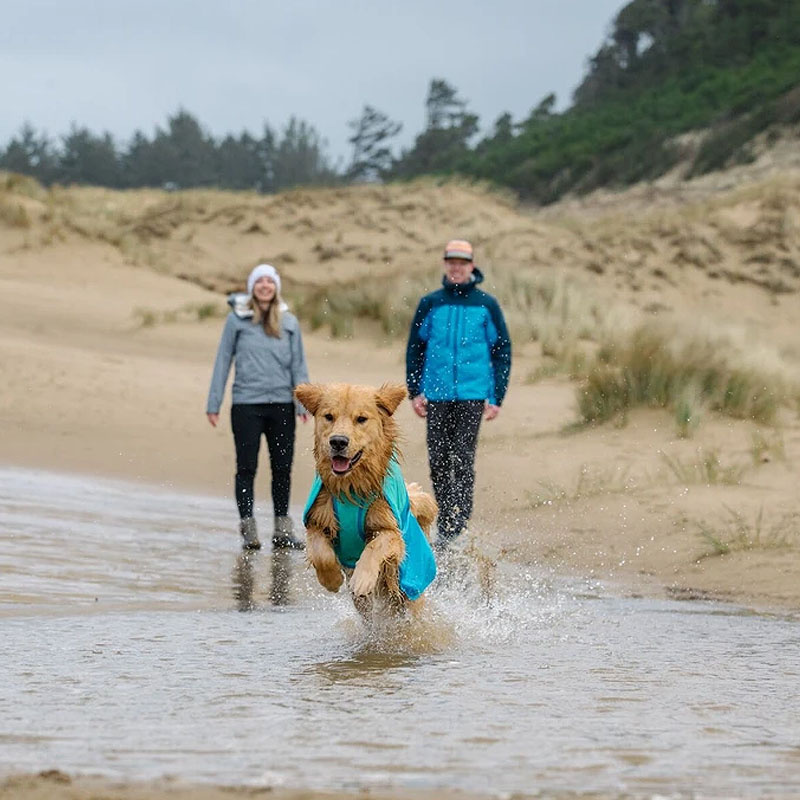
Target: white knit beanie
(263,271)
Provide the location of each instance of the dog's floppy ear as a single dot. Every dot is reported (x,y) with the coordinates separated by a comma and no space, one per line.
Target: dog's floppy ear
(389,396)
(309,396)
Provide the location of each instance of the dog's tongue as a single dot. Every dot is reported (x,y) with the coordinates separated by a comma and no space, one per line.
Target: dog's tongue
(340,463)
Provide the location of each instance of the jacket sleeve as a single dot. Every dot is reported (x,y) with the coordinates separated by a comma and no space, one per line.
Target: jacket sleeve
(299,366)
(415,350)
(222,366)
(500,353)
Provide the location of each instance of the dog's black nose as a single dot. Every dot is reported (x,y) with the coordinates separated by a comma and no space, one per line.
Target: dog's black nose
(339,442)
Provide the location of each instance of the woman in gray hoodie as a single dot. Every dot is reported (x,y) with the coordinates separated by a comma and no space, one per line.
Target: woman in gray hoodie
(263,339)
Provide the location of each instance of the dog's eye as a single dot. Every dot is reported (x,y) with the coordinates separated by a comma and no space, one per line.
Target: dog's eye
(361,420)
(329,417)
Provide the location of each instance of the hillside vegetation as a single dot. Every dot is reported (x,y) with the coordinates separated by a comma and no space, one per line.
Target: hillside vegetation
(728,68)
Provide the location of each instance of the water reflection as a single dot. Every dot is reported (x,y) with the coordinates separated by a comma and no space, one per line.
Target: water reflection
(243,581)
(247,570)
(281,574)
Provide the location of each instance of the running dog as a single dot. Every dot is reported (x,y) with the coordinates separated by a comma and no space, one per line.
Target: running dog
(362,521)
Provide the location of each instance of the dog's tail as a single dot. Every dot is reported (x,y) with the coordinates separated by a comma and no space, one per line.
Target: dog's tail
(423,507)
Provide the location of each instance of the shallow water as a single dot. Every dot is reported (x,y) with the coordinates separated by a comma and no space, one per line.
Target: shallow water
(138,642)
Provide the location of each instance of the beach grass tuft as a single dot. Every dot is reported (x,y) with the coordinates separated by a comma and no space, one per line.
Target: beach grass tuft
(706,469)
(666,367)
(738,533)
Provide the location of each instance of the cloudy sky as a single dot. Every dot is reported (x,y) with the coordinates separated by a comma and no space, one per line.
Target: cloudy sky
(122,65)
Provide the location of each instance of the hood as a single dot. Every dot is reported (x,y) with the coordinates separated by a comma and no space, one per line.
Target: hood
(240,304)
(463,288)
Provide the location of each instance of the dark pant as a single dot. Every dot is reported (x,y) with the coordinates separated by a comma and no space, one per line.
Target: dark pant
(452,439)
(276,421)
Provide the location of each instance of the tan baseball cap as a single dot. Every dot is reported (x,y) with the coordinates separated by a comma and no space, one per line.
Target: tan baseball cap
(458,248)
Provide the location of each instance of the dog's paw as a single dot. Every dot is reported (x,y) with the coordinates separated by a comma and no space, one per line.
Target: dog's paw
(413,487)
(330,576)
(363,580)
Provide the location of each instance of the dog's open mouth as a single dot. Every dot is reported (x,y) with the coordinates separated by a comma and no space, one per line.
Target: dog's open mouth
(341,464)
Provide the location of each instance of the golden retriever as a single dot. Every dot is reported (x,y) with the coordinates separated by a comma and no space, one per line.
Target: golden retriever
(362,520)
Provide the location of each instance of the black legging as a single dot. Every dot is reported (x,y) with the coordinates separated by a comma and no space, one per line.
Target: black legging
(452,438)
(277,422)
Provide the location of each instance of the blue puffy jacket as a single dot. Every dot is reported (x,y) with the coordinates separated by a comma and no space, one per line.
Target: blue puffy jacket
(459,347)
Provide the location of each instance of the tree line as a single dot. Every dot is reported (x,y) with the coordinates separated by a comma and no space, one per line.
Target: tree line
(667,67)
(181,155)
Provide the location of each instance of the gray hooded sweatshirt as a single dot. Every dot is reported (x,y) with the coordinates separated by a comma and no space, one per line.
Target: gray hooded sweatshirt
(267,368)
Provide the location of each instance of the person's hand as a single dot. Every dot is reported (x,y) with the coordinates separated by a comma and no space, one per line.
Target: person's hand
(213,419)
(491,411)
(420,405)
(304,417)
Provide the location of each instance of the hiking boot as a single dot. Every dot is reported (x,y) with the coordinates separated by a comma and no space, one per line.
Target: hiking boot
(283,536)
(247,527)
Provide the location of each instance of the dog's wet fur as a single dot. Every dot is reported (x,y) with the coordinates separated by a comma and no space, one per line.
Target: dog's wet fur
(355,436)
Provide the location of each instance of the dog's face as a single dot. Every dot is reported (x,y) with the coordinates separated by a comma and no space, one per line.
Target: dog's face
(354,433)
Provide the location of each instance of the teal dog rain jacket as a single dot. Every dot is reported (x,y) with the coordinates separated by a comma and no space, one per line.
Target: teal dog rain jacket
(418,567)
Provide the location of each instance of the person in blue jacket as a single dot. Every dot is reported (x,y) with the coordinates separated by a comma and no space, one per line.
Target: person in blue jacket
(458,361)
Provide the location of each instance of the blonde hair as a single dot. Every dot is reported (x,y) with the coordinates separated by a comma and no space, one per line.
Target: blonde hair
(270,319)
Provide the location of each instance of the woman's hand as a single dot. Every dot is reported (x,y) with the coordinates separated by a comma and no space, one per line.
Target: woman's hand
(213,419)
(304,417)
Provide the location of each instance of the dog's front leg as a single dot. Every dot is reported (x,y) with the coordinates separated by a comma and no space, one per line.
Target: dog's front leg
(385,551)
(321,527)
(321,556)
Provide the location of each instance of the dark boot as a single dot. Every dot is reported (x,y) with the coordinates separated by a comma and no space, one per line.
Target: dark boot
(283,535)
(247,527)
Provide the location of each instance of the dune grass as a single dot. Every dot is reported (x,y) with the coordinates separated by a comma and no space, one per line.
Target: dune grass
(738,533)
(706,470)
(589,483)
(15,193)
(13,214)
(189,312)
(664,366)
(390,303)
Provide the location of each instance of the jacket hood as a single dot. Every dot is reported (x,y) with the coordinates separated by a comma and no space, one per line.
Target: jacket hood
(240,304)
(463,288)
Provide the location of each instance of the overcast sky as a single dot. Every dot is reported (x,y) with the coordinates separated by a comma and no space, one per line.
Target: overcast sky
(122,65)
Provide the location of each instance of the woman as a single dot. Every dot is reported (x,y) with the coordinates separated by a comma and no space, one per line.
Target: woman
(264,340)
